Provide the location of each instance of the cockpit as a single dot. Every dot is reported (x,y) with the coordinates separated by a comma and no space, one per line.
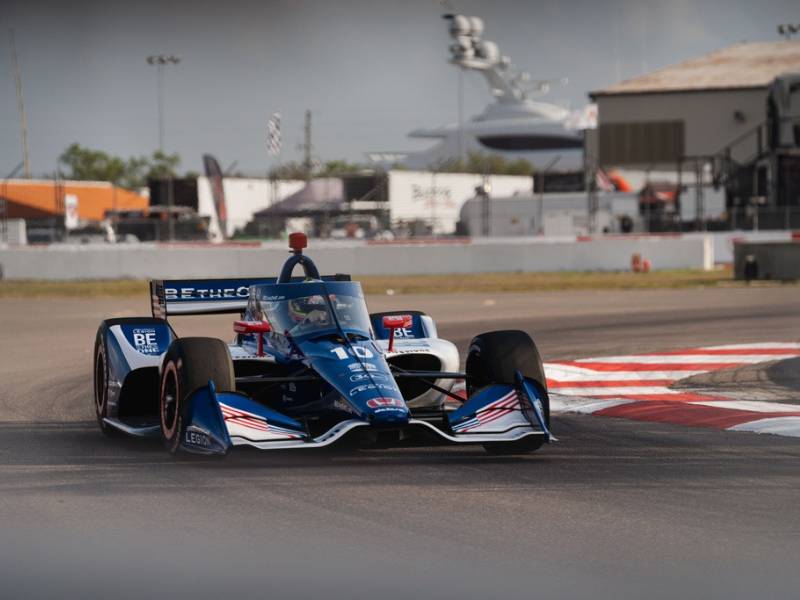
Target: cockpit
(312,308)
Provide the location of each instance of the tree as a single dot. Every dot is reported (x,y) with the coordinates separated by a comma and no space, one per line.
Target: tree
(163,166)
(490,164)
(95,165)
(331,168)
(340,167)
(289,170)
(86,164)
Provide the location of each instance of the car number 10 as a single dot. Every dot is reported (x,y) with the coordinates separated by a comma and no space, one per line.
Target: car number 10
(359,351)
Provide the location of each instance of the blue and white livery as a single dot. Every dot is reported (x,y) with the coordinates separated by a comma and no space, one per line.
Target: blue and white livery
(308,367)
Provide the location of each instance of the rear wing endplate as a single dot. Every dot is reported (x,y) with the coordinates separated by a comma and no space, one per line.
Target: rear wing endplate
(209,296)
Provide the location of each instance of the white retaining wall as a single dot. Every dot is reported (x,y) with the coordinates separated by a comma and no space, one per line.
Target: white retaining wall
(724,241)
(143,261)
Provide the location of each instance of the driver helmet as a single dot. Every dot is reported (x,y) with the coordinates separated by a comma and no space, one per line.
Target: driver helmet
(301,308)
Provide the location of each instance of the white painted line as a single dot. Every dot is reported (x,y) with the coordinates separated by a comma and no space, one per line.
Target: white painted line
(581,405)
(789,426)
(753,405)
(567,373)
(756,346)
(613,391)
(680,359)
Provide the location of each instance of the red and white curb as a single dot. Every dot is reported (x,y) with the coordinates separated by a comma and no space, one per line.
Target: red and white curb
(637,387)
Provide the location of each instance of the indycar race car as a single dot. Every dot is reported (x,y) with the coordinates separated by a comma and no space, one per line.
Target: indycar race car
(308,367)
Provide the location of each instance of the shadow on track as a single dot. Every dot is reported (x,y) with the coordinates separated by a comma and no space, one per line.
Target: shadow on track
(591,451)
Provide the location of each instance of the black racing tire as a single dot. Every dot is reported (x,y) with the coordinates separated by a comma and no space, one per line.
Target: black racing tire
(100,376)
(495,357)
(189,364)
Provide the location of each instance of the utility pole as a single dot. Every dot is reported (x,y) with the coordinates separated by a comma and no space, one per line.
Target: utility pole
(307,164)
(540,212)
(23,119)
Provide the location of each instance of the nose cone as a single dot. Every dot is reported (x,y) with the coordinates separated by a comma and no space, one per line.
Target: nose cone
(387,411)
(363,379)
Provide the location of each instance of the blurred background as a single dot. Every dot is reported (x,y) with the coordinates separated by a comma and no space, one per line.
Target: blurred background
(593,172)
(209,122)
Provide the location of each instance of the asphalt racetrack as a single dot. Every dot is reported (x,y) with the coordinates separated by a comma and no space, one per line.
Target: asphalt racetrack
(615,509)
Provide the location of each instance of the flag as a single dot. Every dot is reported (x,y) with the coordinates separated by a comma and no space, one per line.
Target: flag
(274,134)
(214,174)
(603,181)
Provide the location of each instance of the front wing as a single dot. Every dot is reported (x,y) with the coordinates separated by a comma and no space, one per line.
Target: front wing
(215,421)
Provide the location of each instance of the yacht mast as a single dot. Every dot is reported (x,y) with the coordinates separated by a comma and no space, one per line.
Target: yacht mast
(471,51)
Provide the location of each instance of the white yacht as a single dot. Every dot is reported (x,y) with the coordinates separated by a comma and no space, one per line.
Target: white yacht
(514,125)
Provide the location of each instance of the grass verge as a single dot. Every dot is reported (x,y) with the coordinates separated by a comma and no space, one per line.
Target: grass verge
(420,284)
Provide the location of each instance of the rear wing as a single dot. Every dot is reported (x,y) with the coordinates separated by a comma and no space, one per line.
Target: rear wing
(208,296)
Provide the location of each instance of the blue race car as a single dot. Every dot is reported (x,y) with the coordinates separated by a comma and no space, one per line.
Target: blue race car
(309,367)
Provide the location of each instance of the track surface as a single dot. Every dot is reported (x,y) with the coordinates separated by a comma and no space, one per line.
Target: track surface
(616,509)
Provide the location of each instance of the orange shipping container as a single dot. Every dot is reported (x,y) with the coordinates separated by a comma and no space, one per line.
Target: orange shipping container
(31,198)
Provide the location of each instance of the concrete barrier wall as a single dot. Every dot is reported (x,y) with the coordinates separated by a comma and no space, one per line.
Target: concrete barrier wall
(774,260)
(13,232)
(725,241)
(143,261)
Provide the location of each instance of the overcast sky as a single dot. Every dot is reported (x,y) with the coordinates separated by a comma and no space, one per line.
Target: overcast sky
(370,70)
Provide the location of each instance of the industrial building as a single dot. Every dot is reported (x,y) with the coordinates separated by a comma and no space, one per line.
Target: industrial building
(728,120)
(551,215)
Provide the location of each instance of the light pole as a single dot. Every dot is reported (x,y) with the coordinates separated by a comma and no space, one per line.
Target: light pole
(160,60)
(540,216)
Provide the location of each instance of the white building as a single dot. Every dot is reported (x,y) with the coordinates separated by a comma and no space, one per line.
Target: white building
(437,198)
(243,198)
(413,201)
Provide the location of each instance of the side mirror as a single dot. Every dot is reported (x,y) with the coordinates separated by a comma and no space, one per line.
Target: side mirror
(392,322)
(251,327)
(259,327)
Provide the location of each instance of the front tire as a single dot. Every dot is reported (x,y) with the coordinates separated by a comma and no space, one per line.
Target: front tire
(495,357)
(188,365)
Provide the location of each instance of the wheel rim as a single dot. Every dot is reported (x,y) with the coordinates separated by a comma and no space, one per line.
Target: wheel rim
(100,389)
(169,401)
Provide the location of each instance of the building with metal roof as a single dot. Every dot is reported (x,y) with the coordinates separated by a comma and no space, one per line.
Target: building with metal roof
(730,119)
(749,65)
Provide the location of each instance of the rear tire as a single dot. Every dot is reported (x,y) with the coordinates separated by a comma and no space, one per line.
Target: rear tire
(101,383)
(495,357)
(188,365)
